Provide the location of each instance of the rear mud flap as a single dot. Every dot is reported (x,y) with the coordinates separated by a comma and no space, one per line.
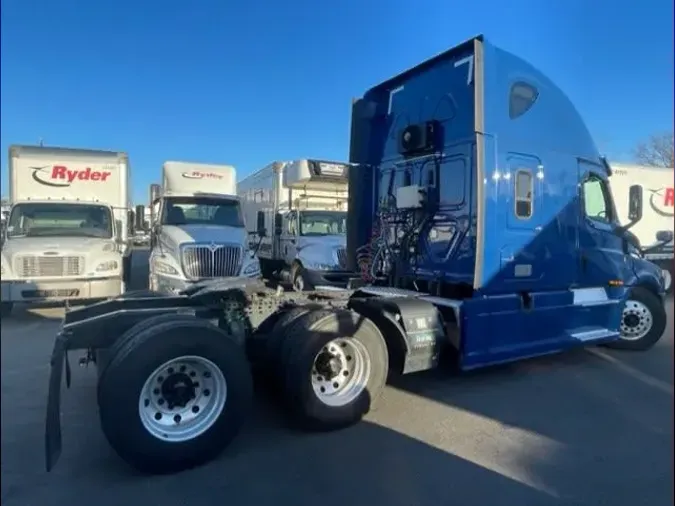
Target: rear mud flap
(59,362)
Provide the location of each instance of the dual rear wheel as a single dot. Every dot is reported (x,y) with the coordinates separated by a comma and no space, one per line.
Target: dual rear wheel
(174,391)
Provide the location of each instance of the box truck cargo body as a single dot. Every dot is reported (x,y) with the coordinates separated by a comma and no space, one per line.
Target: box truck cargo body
(198,228)
(298,209)
(658,214)
(67,231)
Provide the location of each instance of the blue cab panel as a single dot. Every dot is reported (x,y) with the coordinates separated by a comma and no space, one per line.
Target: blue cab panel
(515,220)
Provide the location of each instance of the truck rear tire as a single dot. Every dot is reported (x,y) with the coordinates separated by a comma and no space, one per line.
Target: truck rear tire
(103,355)
(174,396)
(275,330)
(643,321)
(335,366)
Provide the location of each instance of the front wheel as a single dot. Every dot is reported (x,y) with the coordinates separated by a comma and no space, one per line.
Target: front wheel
(174,395)
(643,321)
(299,279)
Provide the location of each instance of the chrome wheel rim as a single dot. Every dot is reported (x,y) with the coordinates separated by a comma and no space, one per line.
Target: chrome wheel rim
(340,372)
(182,398)
(636,321)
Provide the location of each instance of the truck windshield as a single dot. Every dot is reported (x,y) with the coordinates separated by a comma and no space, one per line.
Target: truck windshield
(202,211)
(58,219)
(323,222)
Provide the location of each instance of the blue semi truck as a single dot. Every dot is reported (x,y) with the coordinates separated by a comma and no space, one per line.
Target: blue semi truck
(481,228)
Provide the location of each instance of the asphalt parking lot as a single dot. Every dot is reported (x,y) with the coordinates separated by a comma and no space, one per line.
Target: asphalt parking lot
(591,427)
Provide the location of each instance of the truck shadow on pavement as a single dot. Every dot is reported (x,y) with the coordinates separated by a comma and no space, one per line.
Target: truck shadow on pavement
(267,465)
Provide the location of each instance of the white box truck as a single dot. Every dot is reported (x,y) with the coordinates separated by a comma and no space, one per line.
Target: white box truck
(658,213)
(298,210)
(198,228)
(67,232)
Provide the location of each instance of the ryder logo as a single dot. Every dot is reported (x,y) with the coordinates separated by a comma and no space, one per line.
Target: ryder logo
(60,176)
(662,201)
(195,174)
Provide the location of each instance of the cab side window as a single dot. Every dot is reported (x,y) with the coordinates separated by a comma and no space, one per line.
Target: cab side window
(596,201)
(524,189)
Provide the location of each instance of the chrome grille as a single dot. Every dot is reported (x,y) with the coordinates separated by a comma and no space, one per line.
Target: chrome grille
(342,257)
(211,261)
(33,266)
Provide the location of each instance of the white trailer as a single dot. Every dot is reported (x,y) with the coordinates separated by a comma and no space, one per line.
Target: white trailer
(658,212)
(198,228)
(67,232)
(298,209)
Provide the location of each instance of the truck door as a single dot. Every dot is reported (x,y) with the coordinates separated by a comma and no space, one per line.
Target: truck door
(289,237)
(601,255)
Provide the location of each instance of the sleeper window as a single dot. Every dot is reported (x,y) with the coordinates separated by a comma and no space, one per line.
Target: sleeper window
(523,194)
(521,99)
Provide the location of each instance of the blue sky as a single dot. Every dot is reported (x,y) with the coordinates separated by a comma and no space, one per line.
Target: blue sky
(249,82)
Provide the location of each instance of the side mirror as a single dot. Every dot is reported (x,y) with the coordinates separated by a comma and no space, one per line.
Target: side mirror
(664,236)
(260,224)
(130,222)
(635,203)
(140,217)
(118,230)
(278,224)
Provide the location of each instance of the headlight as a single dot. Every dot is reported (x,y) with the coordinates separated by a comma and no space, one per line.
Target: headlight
(108,247)
(163,268)
(110,265)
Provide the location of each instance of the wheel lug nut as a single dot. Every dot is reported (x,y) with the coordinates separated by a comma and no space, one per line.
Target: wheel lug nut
(195,409)
(156,391)
(349,357)
(345,373)
(158,416)
(170,370)
(146,402)
(160,401)
(177,418)
(193,374)
(207,392)
(335,385)
(160,379)
(319,378)
(207,374)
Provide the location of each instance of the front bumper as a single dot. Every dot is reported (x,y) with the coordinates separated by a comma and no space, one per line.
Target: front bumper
(60,290)
(173,285)
(337,279)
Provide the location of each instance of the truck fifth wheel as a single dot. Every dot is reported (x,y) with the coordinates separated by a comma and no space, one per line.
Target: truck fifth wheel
(456,237)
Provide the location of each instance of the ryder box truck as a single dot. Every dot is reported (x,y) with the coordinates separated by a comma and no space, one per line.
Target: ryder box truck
(67,232)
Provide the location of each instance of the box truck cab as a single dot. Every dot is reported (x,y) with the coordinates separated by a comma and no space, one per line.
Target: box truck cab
(297,214)
(198,228)
(658,211)
(67,232)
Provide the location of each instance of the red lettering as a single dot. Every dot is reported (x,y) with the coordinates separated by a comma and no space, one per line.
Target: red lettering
(669,197)
(59,172)
(62,172)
